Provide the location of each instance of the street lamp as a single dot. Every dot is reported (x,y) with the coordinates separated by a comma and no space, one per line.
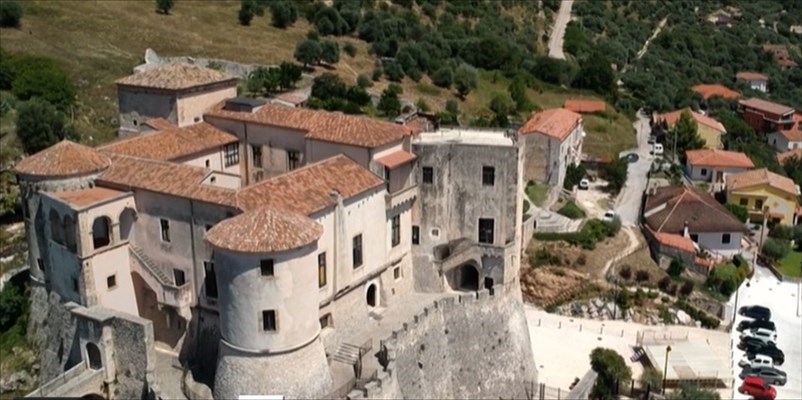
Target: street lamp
(665,369)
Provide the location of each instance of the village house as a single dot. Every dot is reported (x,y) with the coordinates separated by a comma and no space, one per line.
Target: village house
(710,165)
(786,156)
(708,128)
(708,91)
(763,192)
(765,116)
(781,55)
(755,80)
(684,222)
(557,134)
(790,138)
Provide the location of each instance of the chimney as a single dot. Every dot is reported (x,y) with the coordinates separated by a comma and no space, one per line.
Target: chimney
(685,230)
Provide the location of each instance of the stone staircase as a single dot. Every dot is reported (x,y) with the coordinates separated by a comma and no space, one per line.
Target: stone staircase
(151,266)
(347,353)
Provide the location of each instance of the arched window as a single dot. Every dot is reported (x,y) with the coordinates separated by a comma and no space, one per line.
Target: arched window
(371,295)
(56,230)
(127,218)
(69,233)
(93,355)
(101,232)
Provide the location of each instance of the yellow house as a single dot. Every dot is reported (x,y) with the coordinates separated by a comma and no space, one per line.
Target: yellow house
(759,189)
(709,129)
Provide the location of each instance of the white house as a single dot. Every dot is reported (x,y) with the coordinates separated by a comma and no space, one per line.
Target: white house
(557,134)
(756,81)
(788,139)
(710,165)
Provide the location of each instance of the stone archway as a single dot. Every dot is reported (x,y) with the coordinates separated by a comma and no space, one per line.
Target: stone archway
(465,277)
(372,295)
(93,356)
(127,218)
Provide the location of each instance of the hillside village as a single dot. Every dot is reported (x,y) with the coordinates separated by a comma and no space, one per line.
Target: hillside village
(448,256)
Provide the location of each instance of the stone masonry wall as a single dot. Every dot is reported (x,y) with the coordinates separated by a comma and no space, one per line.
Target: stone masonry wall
(475,345)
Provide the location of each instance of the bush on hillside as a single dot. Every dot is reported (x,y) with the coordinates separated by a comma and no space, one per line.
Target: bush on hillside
(164,6)
(10,14)
(611,369)
(738,211)
(40,125)
(571,210)
(42,77)
(775,249)
(676,268)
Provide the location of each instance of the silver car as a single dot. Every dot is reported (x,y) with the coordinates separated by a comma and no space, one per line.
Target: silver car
(769,375)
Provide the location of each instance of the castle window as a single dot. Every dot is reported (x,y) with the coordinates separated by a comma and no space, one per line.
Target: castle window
(488,176)
(415,234)
(357,250)
(111,281)
(179,277)
(397,273)
(101,232)
(428,174)
(165,230)
(486,230)
(231,154)
(257,156)
(207,163)
(210,280)
(293,159)
(266,267)
(326,321)
(396,230)
(56,230)
(40,264)
(75,286)
(321,270)
(269,320)
(69,233)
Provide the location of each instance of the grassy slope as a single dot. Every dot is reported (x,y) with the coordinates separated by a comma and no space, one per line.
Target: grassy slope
(101,41)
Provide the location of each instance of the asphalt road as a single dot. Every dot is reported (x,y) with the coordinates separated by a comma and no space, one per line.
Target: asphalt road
(628,203)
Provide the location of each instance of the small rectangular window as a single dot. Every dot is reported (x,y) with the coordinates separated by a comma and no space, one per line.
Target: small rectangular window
(386,174)
(744,202)
(321,270)
(415,234)
(396,230)
(726,238)
(758,204)
(75,284)
(257,156)
(397,273)
(210,280)
(486,230)
(40,264)
(695,238)
(704,171)
(111,281)
(293,160)
(357,251)
(326,321)
(165,230)
(488,176)
(266,267)
(428,174)
(179,277)
(231,154)
(269,320)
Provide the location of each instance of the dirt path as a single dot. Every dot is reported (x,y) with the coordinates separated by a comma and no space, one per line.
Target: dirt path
(631,247)
(645,47)
(558,32)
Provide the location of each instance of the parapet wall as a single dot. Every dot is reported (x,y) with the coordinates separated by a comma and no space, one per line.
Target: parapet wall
(474,345)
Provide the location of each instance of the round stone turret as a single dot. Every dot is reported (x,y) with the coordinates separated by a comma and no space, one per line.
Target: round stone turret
(266,269)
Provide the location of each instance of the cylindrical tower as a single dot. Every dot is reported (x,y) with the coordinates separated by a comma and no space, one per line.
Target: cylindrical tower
(266,268)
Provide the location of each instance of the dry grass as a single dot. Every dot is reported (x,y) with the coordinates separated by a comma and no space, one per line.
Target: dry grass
(590,262)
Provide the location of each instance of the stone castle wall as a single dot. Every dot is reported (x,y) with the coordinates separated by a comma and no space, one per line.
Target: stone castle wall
(475,345)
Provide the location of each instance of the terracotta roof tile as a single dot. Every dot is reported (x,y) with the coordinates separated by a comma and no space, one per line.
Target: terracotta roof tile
(676,241)
(785,156)
(760,177)
(584,106)
(176,76)
(718,158)
(556,122)
(309,189)
(751,76)
(766,106)
(710,90)
(172,143)
(63,159)
(264,231)
(321,125)
(671,207)
(672,117)
(396,159)
(86,197)
(178,180)
(794,134)
(159,124)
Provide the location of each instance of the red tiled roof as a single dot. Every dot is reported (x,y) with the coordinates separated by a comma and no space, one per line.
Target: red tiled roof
(671,118)
(669,209)
(321,125)
(63,159)
(676,241)
(160,124)
(172,143)
(264,231)
(766,106)
(751,76)
(176,76)
(86,197)
(309,189)
(556,122)
(785,156)
(794,133)
(710,90)
(396,159)
(718,158)
(760,177)
(584,106)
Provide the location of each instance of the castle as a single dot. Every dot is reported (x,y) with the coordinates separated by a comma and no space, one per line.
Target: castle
(275,251)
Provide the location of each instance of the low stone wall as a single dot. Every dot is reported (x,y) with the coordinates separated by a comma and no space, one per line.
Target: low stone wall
(475,345)
(528,229)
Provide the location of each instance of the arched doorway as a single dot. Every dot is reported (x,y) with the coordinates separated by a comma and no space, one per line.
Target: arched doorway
(127,218)
(371,295)
(101,232)
(93,396)
(466,277)
(93,354)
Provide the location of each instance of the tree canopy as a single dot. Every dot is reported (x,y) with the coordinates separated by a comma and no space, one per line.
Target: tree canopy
(611,369)
(40,125)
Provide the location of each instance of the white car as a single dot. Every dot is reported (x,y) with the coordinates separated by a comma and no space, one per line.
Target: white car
(584,184)
(657,149)
(765,335)
(758,360)
(609,215)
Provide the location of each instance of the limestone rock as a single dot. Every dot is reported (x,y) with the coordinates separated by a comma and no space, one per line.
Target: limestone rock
(14,382)
(684,318)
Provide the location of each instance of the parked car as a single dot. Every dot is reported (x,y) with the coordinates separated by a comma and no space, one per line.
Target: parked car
(768,374)
(749,324)
(757,388)
(770,350)
(756,312)
(657,149)
(609,215)
(584,184)
(762,334)
(652,139)
(756,360)
(752,344)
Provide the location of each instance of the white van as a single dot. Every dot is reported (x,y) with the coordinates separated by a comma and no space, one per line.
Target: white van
(758,360)
(657,149)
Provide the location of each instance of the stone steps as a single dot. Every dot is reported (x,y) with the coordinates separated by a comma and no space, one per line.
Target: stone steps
(347,354)
(152,266)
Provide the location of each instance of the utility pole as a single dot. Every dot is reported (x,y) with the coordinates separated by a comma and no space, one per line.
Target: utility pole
(665,369)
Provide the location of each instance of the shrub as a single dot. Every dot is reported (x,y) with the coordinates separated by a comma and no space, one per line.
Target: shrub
(12,304)
(581,260)
(775,249)
(689,392)
(284,13)
(571,210)
(465,79)
(573,174)
(611,368)
(40,125)
(394,72)
(377,74)
(363,81)
(613,226)
(625,272)
(738,211)
(664,283)
(42,77)
(164,6)
(443,77)
(453,107)
(350,49)
(642,275)
(10,14)
(782,232)
(616,174)
(652,378)
(699,315)
(676,268)
(624,299)
(330,52)
(686,289)
(544,257)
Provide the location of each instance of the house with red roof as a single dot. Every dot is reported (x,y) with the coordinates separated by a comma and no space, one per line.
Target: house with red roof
(755,80)
(552,140)
(708,128)
(789,138)
(765,116)
(708,91)
(710,165)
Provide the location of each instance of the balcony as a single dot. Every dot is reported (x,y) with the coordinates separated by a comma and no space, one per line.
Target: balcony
(167,292)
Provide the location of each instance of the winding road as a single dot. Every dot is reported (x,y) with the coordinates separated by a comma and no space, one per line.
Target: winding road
(558,31)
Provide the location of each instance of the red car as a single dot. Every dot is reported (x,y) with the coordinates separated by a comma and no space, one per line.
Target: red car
(757,388)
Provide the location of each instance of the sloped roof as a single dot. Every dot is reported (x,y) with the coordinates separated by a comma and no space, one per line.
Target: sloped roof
(264,230)
(794,133)
(321,125)
(396,159)
(718,158)
(173,142)
(309,189)
(760,177)
(751,76)
(676,241)
(63,159)
(176,76)
(672,117)
(86,197)
(766,106)
(584,106)
(711,90)
(556,122)
(787,155)
(671,207)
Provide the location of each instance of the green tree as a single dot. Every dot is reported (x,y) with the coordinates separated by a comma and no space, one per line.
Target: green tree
(689,392)
(350,49)
(596,74)
(793,169)
(738,211)
(394,72)
(676,268)
(517,91)
(443,77)
(330,52)
(685,135)
(502,106)
(164,6)
(12,305)
(465,79)
(10,14)
(42,77)
(611,369)
(652,378)
(775,249)
(363,81)
(616,174)
(390,104)
(289,73)
(39,125)
(284,13)
(246,12)
(328,85)
(308,52)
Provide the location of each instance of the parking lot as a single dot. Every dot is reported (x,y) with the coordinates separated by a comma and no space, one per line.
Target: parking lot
(783,298)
